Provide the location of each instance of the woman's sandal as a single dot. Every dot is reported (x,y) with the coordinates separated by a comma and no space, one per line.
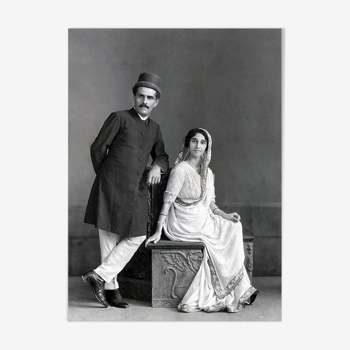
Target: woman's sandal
(253,296)
(231,309)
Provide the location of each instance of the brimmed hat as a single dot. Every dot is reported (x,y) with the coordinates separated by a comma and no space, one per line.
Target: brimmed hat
(149,80)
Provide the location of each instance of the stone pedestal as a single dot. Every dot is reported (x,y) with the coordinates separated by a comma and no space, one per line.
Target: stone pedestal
(174,266)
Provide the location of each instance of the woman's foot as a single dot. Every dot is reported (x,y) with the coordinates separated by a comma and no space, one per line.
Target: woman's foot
(253,297)
(233,309)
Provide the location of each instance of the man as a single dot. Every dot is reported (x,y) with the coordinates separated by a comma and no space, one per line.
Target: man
(118,204)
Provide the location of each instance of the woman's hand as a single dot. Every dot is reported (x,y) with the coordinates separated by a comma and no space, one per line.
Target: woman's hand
(160,223)
(154,238)
(233,216)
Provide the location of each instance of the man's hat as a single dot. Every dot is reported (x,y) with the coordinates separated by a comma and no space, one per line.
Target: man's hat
(149,80)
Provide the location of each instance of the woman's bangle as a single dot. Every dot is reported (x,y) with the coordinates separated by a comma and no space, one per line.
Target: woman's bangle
(215,209)
(163,214)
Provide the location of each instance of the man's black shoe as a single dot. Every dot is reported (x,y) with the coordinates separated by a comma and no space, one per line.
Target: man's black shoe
(97,286)
(114,298)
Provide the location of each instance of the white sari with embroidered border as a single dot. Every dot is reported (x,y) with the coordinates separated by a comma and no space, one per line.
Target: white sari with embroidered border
(222,269)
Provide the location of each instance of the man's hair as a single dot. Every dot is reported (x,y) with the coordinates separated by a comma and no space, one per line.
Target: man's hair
(193,132)
(135,89)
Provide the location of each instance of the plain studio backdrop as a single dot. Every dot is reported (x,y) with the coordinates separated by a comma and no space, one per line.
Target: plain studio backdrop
(227,81)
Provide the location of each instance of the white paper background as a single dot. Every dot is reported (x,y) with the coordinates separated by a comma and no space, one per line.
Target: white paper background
(34,80)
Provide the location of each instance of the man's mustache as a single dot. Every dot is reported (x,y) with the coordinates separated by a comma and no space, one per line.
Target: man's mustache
(143,105)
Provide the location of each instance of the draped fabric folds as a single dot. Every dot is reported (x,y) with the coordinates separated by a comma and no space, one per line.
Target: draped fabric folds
(222,276)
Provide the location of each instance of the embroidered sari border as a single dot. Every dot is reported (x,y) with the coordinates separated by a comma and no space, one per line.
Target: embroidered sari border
(223,292)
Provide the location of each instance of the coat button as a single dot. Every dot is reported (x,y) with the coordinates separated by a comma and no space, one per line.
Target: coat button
(140,159)
(141,147)
(143,134)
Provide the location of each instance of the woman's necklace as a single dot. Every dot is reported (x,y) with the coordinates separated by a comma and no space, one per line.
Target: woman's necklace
(195,167)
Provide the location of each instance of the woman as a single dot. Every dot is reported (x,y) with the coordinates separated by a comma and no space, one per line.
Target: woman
(189,213)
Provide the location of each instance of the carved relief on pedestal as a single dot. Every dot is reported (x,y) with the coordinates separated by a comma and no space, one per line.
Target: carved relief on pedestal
(184,265)
(249,258)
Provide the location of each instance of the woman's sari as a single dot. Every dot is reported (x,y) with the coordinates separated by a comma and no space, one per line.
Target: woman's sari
(222,274)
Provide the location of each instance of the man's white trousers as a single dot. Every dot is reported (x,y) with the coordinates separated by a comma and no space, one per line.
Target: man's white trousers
(115,254)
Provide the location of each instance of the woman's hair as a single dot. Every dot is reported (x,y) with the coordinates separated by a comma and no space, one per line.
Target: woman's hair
(193,132)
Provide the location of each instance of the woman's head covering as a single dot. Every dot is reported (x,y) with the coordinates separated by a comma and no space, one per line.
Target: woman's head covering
(184,153)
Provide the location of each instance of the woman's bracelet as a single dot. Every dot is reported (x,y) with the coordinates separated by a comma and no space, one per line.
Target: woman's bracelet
(163,214)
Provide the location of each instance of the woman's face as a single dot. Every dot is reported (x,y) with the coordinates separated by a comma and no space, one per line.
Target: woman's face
(197,145)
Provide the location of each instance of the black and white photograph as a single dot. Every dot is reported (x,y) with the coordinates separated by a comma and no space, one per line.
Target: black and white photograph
(175,174)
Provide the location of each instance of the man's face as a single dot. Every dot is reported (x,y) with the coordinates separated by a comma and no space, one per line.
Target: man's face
(144,101)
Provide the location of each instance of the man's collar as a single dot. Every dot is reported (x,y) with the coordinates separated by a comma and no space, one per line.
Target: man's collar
(142,118)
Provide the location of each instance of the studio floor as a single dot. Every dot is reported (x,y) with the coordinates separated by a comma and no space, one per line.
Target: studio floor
(83,307)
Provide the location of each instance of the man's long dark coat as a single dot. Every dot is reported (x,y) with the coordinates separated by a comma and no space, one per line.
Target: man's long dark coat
(118,200)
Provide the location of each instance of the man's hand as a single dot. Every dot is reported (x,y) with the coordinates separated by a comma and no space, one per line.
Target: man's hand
(154,175)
